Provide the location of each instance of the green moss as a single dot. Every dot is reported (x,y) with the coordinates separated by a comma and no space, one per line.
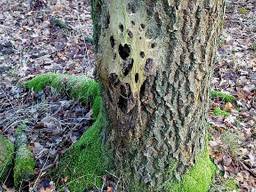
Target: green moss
(24,160)
(224,96)
(219,112)
(243,10)
(24,166)
(6,156)
(77,87)
(85,162)
(198,178)
(39,82)
(230,185)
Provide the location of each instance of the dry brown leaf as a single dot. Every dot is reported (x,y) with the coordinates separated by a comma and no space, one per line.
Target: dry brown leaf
(228,107)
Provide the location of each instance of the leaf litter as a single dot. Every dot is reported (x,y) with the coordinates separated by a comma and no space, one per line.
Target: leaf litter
(39,36)
(232,143)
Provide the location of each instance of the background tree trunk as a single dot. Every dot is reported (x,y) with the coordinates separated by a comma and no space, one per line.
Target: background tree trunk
(154,61)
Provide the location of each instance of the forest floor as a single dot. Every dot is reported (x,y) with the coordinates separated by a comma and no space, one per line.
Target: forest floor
(40,36)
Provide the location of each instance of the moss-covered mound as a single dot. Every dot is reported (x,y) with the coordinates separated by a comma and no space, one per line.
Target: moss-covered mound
(24,160)
(198,178)
(85,162)
(6,156)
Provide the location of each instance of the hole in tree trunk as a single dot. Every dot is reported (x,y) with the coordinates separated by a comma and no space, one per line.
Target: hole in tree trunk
(112,41)
(127,66)
(136,77)
(121,27)
(130,34)
(122,104)
(142,54)
(124,51)
(153,45)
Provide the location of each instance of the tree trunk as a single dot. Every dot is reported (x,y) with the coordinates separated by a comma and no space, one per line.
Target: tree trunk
(154,59)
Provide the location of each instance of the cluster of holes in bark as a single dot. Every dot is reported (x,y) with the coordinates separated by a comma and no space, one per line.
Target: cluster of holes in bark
(124,52)
(129,32)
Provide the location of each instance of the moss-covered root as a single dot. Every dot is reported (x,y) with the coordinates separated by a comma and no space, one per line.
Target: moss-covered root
(24,160)
(198,178)
(6,156)
(77,87)
(85,162)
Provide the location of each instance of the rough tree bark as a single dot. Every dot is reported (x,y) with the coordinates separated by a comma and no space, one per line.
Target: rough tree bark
(154,59)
